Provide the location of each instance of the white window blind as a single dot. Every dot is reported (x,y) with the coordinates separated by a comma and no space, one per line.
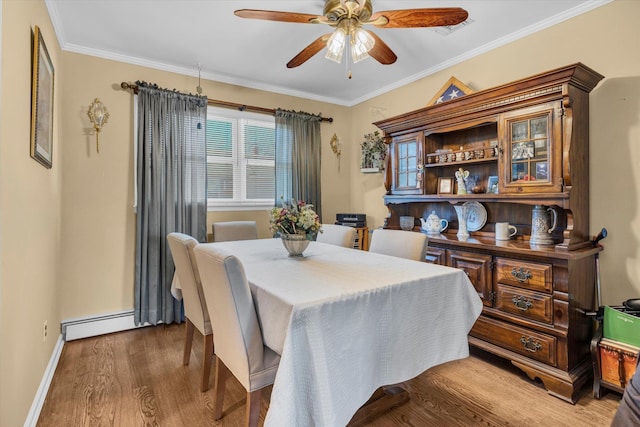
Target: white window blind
(240,160)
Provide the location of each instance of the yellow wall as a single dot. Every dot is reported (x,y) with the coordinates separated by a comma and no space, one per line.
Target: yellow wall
(67,234)
(98,220)
(30,217)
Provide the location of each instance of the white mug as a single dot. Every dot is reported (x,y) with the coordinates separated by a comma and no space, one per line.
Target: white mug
(504,231)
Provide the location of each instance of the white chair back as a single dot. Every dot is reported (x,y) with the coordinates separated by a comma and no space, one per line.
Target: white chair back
(398,243)
(195,307)
(339,235)
(234,230)
(237,335)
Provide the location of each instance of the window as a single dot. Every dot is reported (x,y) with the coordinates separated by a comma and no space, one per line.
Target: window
(240,160)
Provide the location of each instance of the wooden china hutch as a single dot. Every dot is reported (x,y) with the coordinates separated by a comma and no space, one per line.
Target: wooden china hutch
(532,136)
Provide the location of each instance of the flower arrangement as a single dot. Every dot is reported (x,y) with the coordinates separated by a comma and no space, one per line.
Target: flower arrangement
(296,217)
(374,151)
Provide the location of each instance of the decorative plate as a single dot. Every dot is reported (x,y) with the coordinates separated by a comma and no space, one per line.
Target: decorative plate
(477,216)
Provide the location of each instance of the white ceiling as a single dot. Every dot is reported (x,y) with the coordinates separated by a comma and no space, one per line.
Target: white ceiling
(180,35)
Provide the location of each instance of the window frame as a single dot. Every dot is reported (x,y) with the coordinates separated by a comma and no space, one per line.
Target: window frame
(239,161)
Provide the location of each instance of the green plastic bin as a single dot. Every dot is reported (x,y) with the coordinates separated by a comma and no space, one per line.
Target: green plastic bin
(620,326)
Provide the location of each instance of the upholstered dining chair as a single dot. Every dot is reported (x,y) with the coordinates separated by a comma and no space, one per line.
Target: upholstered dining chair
(195,307)
(234,230)
(339,235)
(403,244)
(240,348)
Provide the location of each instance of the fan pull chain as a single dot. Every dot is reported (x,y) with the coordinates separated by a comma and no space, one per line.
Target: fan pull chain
(199,89)
(348,57)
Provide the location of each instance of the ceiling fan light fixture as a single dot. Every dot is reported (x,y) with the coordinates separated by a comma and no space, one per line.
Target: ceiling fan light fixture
(335,45)
(348,17)
(361,43)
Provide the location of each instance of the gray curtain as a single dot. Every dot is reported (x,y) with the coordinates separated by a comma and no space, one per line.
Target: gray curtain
(171,178)
(298,158)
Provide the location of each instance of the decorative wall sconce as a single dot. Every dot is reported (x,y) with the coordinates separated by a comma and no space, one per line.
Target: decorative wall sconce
(98,115)
(335,147)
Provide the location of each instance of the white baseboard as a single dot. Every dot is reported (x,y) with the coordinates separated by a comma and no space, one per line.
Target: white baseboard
(41,394)
(73,329)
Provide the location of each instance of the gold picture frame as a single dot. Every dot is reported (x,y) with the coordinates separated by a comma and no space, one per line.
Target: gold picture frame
(445,185)
(452,89)
(42,100)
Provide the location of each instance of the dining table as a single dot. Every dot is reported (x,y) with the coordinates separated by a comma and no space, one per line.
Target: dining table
(347,322)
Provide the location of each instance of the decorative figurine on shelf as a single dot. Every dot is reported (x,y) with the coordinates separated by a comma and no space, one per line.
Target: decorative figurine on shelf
(461,177)
(419,170)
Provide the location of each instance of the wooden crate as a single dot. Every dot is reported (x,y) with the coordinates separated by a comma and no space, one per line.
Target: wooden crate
(614,364)
(362,238)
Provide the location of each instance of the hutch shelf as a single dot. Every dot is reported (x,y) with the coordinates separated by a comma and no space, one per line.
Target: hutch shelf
(532,136)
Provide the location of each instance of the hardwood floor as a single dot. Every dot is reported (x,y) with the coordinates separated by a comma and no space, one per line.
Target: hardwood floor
(136,378)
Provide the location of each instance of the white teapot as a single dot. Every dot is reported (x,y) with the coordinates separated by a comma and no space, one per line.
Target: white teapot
(433,224)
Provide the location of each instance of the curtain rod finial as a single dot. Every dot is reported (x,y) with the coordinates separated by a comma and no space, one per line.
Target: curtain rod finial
(129,86)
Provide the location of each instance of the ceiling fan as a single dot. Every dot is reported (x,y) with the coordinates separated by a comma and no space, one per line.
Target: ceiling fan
(348,18)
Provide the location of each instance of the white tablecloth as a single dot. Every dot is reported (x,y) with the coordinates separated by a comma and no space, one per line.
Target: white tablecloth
(347,322)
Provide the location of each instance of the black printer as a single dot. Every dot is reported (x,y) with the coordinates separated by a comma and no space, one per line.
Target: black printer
(352,219)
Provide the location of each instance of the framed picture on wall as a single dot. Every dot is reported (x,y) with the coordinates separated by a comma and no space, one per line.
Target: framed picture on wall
(42,74)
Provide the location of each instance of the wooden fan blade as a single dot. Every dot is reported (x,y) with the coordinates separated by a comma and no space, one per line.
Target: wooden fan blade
(316,46)
(270,15)
(413,18)
(381,52)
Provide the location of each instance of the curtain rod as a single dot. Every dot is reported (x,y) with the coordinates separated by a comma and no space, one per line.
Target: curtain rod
(225,104)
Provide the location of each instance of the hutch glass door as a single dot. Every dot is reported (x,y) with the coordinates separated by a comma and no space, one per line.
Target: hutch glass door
(530,159)
(406,155)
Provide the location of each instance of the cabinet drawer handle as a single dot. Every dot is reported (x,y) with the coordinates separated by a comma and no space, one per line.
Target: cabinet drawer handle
(530,344)
(521,275)
(522,303)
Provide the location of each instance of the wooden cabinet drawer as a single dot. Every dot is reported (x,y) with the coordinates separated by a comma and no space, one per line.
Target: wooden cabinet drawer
(527,304)
(435,256)
(520,340)
(524,274)
(477,267)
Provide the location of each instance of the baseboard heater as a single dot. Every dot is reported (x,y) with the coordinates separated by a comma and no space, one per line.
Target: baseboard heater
(91,326)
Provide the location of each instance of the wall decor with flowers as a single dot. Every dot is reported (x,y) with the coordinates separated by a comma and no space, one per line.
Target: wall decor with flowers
(374,151)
